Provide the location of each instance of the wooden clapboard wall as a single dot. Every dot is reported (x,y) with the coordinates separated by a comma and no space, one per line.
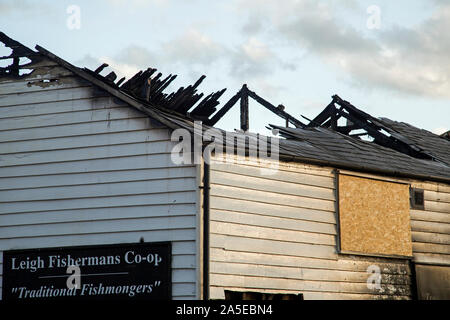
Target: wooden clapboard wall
(430,227)
(278,233)
(80,168)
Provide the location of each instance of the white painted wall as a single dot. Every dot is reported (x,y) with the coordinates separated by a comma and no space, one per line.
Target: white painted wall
(78,167)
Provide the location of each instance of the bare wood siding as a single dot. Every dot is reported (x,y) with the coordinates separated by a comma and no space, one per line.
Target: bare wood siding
(78,167)
(431,227)
(277,233)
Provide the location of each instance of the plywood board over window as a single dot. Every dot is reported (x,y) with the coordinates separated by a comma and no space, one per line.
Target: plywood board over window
(374,217)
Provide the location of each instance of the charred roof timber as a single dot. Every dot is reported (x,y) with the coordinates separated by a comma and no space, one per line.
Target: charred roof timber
(145,91)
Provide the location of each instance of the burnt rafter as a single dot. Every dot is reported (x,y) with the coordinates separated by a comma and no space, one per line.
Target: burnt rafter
(18,52)
(243,94)
(148,86)
(359,120)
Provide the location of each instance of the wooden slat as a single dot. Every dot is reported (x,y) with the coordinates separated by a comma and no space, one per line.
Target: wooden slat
(76,215)
(269,197)
(82,178)
(37,109)
(359,264)
(303,177)
(270,233)
(273,222)
(431,248)
(59,119)
(93,227)
(437,206)
(264,184)
(432,258)
(51,96)
(94,165)
(239,163)
(432,227)
(430,216)
(427,237)
(84,153)
(299,273)
(275,210)
(437,196)
(271,246)
(44,84)
(95,190)
(102,202)
(78,129)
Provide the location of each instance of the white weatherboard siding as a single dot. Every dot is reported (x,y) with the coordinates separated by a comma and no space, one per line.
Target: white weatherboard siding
(277,233)
(78,167)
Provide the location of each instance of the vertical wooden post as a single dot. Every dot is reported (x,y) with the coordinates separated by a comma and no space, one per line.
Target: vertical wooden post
(244,108)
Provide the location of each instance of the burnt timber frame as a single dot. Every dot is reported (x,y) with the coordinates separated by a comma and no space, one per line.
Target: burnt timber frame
(243,94)
(359,120)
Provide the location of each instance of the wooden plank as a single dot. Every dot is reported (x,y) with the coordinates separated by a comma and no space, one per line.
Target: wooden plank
(185,196)
(268,197)
(428,237)
(176,236)
(432,258)
(431,248)
(278,175)
(77,129)
(51,96)
(43,70)
(279,224)
(437,196)
(359,264)
(437,206)
(221,164)
(299,273)
(275,210)
(96,190)
(430,216)
(263,184)
(275,247)
(75,215)
(93,165)
(83,178)
(301,285)
(85,153)
(270,233)
(432,227)
(60,107)
(43,84)
(93,227)
(84,141)
(59,119)
(182,290)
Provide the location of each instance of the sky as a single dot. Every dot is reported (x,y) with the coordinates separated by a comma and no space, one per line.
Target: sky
(389,58)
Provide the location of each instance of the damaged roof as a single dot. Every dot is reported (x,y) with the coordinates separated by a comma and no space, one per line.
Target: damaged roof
(395,149)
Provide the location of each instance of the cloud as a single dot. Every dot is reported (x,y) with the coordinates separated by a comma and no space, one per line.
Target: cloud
(414,61)
(440,130)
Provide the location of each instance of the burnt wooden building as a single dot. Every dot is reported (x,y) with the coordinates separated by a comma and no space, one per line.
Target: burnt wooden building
(86,160)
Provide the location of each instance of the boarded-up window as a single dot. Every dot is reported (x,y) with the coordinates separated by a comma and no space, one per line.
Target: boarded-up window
(374,217)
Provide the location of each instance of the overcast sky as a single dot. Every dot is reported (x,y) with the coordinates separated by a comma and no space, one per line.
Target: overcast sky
(389,58)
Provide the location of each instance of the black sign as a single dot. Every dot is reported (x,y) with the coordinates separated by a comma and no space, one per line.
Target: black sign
(139,271)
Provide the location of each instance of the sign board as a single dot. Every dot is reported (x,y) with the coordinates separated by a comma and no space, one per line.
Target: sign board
(140,271)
